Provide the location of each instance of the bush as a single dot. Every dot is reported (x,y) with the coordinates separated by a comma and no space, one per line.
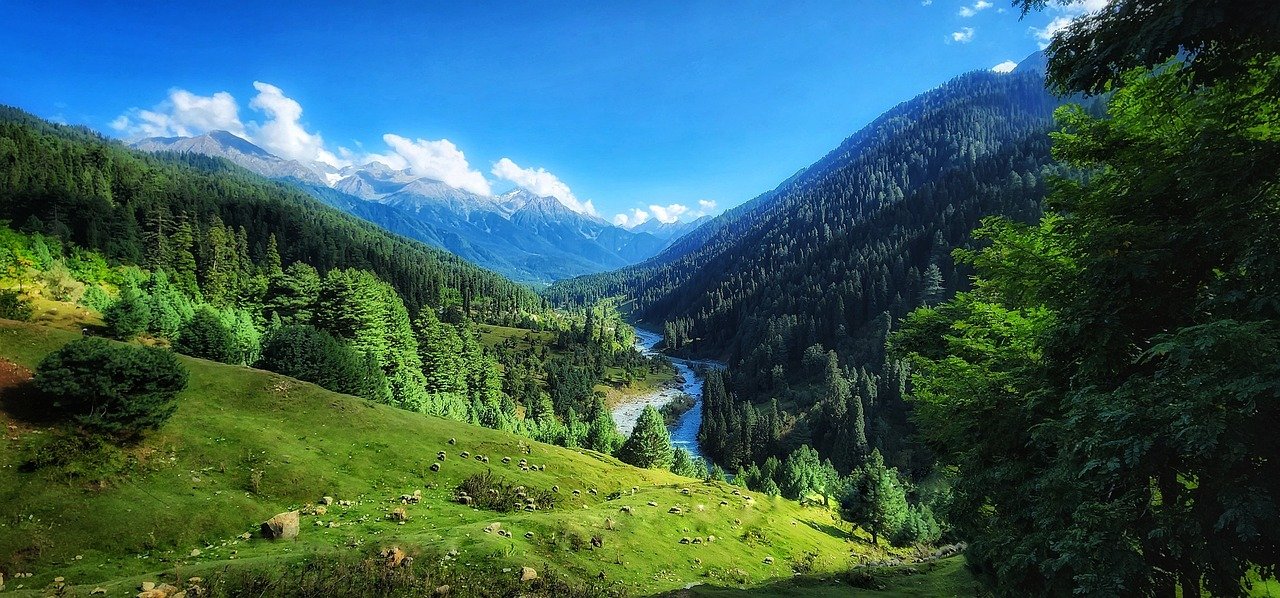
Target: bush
(13,306)
(95,298)
(207,337)
(110,388)
(306,353)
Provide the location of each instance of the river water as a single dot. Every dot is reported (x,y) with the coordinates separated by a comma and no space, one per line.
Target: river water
(684,433)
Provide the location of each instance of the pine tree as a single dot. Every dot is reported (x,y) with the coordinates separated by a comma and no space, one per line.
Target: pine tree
(649,445)
(875,499)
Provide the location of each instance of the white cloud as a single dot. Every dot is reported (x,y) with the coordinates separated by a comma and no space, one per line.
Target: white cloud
(1065,15)
(440,160)
(542,183)
(1005,67)
(969,11)
(182,114)
(281,133)
(926,2)
(705,206)
(632,220)
(669,213)
(963,36)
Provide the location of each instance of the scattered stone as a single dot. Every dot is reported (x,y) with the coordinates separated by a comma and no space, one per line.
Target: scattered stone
(195,552)
(394,556)
(737,493)
(492,527)
(283,526)
(674,510)
(528,574)
(768,560)
(344,503)
(326,500)
(435,467)
(440,456)
(465,454)
(479,457)
(652,504)
(577,493)
(685,540)
(485,459)
(724,503)
(597,541)
(453,441)
(442,590)
(147,586)
(702,508)
(59,579)
(609,524)
(684,491)
(98,591)
(398,514)
(319,510)
(528,535)
(711,538)
(555,488)
(625,509)
(592,492)
(506,460)
(697,540)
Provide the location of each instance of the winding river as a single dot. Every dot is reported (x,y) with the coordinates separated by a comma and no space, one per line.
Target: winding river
(684,433)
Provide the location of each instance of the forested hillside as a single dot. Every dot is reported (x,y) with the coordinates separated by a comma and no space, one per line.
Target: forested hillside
(829,260)
(158,211)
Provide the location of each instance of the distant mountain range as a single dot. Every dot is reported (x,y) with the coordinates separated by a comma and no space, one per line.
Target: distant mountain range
(526,237)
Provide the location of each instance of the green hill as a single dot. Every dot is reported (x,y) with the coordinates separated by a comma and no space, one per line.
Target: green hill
(246,444)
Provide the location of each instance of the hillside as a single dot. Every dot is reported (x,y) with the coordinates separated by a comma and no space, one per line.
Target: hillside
(247,444)
(528,238)
(832,257)
(76,185)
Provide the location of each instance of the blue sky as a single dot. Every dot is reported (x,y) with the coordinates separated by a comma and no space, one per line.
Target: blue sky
(623,105)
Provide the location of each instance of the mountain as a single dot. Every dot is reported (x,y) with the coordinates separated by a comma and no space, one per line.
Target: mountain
(518,234)
(833,256)
(669,231)
(74,184)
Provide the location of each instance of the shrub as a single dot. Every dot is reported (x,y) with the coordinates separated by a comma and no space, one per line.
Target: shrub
(306,353)
(95,298)
(13,306)
(493,493)
(206,336)
(110,388)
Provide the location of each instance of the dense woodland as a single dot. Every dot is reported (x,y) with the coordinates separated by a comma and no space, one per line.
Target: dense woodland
(800,288)
(217,263)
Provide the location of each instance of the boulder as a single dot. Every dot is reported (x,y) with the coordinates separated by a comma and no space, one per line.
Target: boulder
(609,524)
(768,560)
(326,500)
(686,540)
(453,441)
(442,590)
(674,510)
(398,514)
(394,556)
(528,535)
(528,574)
(281,527)
(96,592)
(652,504)
(435,467)
(492,527)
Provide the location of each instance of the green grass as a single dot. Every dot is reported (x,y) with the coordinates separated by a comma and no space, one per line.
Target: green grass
(247,444)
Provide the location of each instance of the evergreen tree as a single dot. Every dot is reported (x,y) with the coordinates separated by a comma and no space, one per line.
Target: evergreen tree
(875,499)
(129,315)
(206,335)
(649,445)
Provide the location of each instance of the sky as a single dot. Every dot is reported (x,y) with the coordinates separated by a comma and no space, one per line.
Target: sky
(626,110)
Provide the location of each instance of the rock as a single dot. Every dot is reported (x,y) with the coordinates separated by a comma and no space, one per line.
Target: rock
(147,586)
(465,454)
(283,526)
(724,503)
(697,540)
(674,510)
(686,540)
(440,456)
(435,467)
(492,527)
(597,541)
(480,457)
(577,493)
(609,524)
(652,504)
(96,591)
(442,590)
(153,593)
(555,488)
(768,560)
(394,556)
(59,579)
(737,493)
(399,514)
(528,574)
(246,536)
(195,552)
(453,441)
(528,535)
(326,500)
(506,460)
(711,538)
(625,509)
(684,491)
(320,510)
(592,492)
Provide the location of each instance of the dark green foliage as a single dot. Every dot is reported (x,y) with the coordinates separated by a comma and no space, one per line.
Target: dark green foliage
(602,433)
(649,445)
(207,337)
(1107,393)
(683,463)
(919,526)
(14,306)
(802,473)
(129,315)
(110,388)
(1216,37)
(874,498)
(306,353)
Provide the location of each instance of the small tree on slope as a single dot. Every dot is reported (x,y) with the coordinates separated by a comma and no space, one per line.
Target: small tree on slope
(649,445)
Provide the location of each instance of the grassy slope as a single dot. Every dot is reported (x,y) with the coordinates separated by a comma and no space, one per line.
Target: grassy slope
(189,489)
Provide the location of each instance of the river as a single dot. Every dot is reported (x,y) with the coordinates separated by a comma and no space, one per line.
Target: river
(684,433)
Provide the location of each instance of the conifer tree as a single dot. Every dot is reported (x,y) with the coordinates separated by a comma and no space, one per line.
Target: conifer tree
(649,445)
